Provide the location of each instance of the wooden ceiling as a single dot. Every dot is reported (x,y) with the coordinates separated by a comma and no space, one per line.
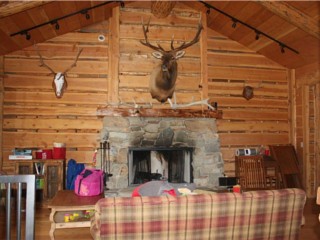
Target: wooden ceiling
(295,23)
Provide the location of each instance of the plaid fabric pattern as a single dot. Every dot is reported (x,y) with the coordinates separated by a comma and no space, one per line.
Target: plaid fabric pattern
(269,214)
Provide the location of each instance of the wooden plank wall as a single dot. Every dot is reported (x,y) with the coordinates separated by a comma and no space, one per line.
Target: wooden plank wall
(34,117)
(1,105)
(260,121)
(307,105)
(136,61)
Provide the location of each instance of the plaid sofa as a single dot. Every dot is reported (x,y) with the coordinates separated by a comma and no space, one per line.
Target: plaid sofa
(269,214)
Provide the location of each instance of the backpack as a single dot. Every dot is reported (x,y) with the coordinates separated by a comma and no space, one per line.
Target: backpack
(89,182)
(74,169)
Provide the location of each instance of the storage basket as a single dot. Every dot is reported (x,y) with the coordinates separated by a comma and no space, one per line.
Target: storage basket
(162,9)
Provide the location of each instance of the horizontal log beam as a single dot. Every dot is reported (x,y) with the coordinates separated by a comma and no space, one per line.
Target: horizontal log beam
(149,112)
(293,16)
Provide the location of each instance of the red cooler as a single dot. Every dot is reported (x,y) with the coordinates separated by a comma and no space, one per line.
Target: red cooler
(59,151)
(44,154)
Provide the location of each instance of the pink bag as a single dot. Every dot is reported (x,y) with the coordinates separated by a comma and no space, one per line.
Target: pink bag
(89,182)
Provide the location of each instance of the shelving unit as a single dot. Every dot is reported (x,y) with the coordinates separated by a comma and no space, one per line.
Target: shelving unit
(52,171)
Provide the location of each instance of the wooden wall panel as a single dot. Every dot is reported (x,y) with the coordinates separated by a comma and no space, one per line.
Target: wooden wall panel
(33,117)
(136,61)
(1,106)
(307,122)
(254,123)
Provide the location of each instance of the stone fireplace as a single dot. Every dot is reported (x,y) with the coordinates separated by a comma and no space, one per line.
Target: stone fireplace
(194,140)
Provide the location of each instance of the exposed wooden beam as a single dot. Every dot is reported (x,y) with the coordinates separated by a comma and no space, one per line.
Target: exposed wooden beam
(114,54)
(308,75)
(293,16)
(149,112)
(8,8)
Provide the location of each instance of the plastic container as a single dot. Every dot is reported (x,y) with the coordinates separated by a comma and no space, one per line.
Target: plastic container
(59,151)
(44,154)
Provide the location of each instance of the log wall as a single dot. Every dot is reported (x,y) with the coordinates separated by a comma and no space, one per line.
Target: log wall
(1,105)
(258,122)
(136,61)
(216,67)
(32,115)
(307,105)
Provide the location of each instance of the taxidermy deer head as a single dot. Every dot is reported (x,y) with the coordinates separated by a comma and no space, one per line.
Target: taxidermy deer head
(247,92)
(59,83)
(163,77)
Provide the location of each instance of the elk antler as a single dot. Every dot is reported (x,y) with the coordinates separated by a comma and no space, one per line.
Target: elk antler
(160,49)
(147,43)
(174,105)
(195,40)
(73,64)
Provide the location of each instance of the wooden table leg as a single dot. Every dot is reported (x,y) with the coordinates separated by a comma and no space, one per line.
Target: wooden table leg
(53,224)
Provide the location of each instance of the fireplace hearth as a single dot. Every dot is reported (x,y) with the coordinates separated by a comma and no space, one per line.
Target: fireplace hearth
(187,148)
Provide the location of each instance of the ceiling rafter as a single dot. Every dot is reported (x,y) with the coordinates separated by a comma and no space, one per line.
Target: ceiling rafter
(8,8)
(293,16)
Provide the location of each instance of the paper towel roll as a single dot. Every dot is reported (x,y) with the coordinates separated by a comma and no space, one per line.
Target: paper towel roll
(250,152)
(240,152)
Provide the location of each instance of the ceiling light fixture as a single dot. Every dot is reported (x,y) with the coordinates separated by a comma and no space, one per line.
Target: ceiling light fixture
(258,32)
(234,23)
(28,36)
(56,25)
(257,35)
(85,12)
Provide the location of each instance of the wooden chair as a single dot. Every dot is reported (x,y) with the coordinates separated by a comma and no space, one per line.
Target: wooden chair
(16,181)
(251,172)
(318,199)
(285,156)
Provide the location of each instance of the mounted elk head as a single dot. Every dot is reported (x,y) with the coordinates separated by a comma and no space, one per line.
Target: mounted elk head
(163,77)
(59,83)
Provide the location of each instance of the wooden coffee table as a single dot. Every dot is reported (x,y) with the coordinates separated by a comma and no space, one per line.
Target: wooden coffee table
(67,202)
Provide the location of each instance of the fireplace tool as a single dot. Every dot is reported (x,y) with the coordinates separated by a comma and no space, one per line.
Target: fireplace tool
(105,160)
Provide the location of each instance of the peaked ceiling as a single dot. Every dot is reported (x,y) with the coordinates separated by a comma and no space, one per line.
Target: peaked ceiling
(295,23)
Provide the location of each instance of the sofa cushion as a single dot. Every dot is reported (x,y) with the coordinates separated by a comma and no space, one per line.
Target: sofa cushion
(270,214)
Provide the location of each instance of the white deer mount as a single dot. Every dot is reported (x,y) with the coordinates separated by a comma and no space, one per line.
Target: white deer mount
(59,83)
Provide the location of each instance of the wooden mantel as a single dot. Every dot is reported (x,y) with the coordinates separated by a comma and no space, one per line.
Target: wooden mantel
(150,112)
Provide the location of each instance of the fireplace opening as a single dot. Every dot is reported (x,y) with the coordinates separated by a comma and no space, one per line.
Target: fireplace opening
(171,164)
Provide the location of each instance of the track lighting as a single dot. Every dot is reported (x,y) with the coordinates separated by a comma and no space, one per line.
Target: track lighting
(56,25)
(234,24)
(85,12)
(28,36)
(55,21)
(258,33)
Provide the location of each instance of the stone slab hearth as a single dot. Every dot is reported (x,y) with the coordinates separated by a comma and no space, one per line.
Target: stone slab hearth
(198,133)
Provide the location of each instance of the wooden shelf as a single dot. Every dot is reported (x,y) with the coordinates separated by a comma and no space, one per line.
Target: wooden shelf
(53,174)
(150,112)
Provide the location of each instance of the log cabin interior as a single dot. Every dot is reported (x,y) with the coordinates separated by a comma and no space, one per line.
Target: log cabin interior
(270,47)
